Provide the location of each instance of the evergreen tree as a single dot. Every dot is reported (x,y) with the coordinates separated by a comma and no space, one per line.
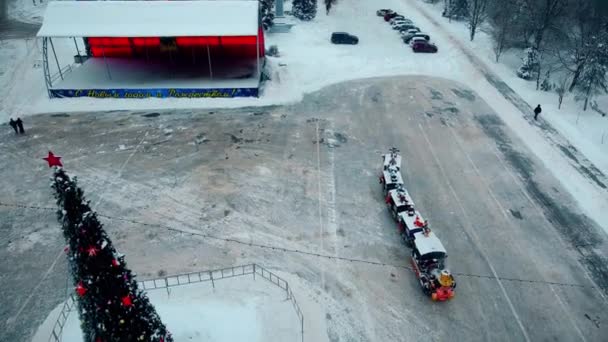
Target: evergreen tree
(304,9)
(266,13)
(530,64)
(111,307)
(592,81)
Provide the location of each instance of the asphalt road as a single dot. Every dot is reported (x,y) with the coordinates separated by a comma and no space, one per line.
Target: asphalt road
(305,177)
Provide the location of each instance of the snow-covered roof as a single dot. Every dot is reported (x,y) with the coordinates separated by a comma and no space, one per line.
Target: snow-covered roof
(410,221)
(388,177)
(428,243)
(387,160)
(401,193)
(150,18)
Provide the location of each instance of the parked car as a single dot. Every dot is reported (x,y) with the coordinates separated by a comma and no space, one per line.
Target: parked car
(401,18)
(416,39)
(408,32)
(404,28)
(422,45)
(383,12)
(344,38)
(400,23)
(390,15)
(408,38)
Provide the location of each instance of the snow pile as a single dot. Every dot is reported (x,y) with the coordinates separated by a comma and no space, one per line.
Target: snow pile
(240,309)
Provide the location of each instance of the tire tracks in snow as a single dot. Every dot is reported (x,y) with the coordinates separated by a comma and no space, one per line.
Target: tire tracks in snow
(473,236)
(506,218)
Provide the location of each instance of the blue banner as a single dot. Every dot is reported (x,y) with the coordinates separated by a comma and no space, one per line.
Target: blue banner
(158,93)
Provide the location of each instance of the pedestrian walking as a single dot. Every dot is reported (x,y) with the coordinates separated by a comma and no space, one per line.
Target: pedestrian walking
(13,124)
(537,111)
(20,125)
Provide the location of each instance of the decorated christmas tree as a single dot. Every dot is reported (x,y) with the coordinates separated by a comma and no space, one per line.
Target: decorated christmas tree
(111,307)
(304,9)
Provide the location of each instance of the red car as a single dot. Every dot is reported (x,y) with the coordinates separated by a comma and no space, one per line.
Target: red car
(424,46)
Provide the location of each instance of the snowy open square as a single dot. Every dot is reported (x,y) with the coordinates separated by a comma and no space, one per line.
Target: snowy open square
(305,177)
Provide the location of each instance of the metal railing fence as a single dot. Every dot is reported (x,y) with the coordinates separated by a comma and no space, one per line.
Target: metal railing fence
(192,278)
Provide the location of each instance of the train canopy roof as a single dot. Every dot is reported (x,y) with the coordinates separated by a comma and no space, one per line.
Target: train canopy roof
(428,243)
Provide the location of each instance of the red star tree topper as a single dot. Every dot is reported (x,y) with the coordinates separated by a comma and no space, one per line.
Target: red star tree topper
(53,160)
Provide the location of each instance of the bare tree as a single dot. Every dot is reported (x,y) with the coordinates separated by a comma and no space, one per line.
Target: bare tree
(543,15)
(477,15)
(503,16)
(561,89)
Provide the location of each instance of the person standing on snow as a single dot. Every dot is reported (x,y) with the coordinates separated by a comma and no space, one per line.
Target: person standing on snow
(20,125)
(13,124)
(537,111)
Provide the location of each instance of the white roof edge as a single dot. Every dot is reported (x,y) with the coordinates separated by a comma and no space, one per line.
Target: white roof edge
(428,243)
(141,18)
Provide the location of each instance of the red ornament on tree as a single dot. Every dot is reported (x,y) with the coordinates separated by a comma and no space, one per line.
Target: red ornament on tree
(53,160)
(126,301)
(80,289)
(115,263)
(92,251)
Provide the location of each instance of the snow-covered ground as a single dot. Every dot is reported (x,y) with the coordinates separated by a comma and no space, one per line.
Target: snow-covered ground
(238,309)
(28,11)
(586,130)
(304,178)
(258,177)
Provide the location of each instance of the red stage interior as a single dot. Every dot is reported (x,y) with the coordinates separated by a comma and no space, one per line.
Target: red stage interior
(178,48)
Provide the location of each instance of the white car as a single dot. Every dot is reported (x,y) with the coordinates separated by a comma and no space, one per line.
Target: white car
(409,32)
(394,21)
(399,25)
(417,39)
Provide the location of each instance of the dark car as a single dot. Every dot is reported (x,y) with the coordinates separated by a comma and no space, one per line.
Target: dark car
(344,38)
(383,12)
(424,46)
(390,15)
(406,38)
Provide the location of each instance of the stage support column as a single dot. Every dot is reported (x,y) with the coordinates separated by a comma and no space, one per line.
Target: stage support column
(45,66)
(56,60)
(257,53)
(209,59)
(103,52)
(77,49)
